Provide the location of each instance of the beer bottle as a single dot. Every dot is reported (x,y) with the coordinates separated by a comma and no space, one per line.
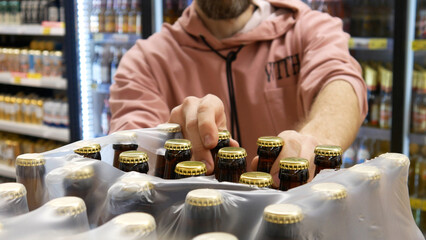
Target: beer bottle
(135,18)
(71,211)
(134,225)
(134,161)
(268,149)
(258,179)
(202,212)
(30,171)
(224,140)
(109,17)
(78,181)
(177,150)
(173,131)
(90,151)
(126,141)
(13,200)
(190,169)
(294,172)
(327,157)
(231,164)
(281,221)
(129,195)
(215,236)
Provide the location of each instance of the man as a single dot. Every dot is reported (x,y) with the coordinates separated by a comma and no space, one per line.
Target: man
(255,67)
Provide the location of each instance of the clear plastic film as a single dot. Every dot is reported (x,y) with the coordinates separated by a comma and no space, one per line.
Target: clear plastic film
(13,200)
(58,217)
(367,201)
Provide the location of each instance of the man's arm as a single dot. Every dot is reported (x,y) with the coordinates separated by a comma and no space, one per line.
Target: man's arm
(334,119)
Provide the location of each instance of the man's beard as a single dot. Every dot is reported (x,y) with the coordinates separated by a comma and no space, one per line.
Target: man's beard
(223,9)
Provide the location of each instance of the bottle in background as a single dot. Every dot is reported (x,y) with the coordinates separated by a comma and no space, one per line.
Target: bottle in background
(370,75)
(419,107)
(135,18)
(95,17)
(105,117)
(363,152)
(386,98)
(109,17)
(349,156)
(122,17)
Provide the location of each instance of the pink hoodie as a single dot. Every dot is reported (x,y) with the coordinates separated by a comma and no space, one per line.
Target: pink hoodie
(286,60)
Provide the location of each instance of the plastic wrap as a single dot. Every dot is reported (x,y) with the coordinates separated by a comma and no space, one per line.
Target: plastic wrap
(373,198)
(58,217)
(13,200)
(128,226)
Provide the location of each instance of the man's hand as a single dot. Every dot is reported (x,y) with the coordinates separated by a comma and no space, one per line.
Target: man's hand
(295,145)
(201,119)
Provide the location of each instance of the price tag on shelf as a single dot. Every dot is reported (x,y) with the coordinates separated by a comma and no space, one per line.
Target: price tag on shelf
(351,43)
(423,205)
(46,31)
(416,203)
(17,79)
(419,44)
(34,75)
(98,37)
(378,43)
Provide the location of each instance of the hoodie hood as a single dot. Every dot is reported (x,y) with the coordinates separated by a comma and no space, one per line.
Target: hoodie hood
(287,12)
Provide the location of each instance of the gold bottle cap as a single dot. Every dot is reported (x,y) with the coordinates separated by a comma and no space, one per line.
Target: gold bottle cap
(12,191)
(370,172)
(215,236)
(133,157)
(399,158)
(67,206)
(178,144)
(132,184)
(293,163)
(232,153)
(331,190)
(169,127)
(190,168)
(30,160)
(58,53)
(328,150)
(224,134)
(260,179)
(137,223)
(92,148)
(81,172)
(204,197)
(270,141)
(283,214)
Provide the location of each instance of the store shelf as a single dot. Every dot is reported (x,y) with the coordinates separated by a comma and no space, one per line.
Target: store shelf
(47,29)
(359,43)
(7,171)
(374,133)
(418,138)
(419,45)
(33,80)
(114,38)
(101,88)
(59,134)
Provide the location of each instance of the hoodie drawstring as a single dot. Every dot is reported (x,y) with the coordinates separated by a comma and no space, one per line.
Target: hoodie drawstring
(232,55)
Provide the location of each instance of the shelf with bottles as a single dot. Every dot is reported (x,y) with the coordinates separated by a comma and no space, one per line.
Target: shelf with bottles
(363,43)
(42,131)
(32,80)
(115,38)
(419,45)
(46,29)
(13,145)
(417,183)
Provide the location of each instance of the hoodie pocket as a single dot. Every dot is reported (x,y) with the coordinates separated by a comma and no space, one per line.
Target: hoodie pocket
(281,104)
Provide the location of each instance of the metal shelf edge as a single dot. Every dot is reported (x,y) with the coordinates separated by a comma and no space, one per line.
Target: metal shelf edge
(59,134)
(7,171)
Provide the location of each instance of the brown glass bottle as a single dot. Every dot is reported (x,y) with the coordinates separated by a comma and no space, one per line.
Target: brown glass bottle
(327,157)
(281,222)
(231,164)
(258,179)
(129,195)
(294,172)
(224,140)
(122,147)
(268,149)
(79,181)
(30,171)
(203,212)
(133,161)
(71,215)
(13,200)
(177,150)
(172,131)
(190,169)
(90,151)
